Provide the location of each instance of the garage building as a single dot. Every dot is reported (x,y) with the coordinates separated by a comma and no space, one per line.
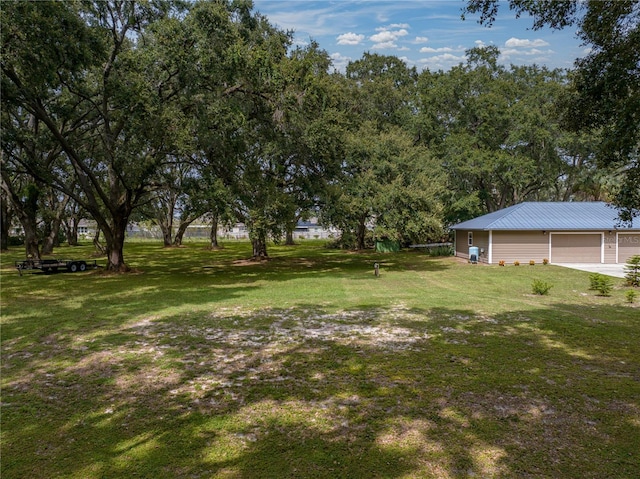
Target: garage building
(578,232)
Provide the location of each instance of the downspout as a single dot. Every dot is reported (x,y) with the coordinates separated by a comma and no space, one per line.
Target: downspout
(490,246)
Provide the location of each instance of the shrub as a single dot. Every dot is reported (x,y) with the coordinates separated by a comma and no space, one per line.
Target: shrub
(16,240)
(516,263)
(630,296)
(632,268)
(438,251)
(545,261)
(601,283)
(501,262)
(540,287)
(532,263)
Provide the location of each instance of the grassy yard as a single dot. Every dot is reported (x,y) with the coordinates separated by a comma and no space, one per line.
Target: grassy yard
(204,365)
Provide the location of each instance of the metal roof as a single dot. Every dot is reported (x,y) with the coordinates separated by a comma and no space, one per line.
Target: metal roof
(549,216)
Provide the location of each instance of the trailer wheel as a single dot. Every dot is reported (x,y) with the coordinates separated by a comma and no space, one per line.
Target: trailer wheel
(83,266)
(73,267)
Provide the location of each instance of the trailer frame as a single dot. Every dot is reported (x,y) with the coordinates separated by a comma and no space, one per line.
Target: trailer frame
(54,265)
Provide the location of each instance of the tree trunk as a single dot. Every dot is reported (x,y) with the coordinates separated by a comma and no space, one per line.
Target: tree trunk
(259,247)
(289,238)
(5,223)
(115,256)
(360,233)
(73,237)
(214,232)
(166,234)
(71,231)
(97,244)
(32,250)
(51,239)
(25,205)
(114,238)
(29,222)
(182,228)
(290,227)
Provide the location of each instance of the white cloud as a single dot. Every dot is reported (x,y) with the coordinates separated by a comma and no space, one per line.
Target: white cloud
(350,39)
(385,36)
(442,62)
(409,62)
(436,50)
(337,26)
(388,35)
(508,52)
(386,39)
(340,61)
(525,43)
(515,52)
(385,46)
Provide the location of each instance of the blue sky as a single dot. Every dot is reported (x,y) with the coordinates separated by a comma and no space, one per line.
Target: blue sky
(424,33)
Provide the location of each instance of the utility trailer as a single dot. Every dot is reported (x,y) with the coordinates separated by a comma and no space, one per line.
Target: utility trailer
(54,265)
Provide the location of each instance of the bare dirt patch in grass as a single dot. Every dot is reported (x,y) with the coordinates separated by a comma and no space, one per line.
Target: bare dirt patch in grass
(440,393)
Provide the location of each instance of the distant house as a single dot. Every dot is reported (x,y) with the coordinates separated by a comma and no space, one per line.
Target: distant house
(311,229)
(86,228)
(580,232)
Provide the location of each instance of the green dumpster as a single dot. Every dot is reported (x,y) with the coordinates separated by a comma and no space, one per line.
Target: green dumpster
(387,246)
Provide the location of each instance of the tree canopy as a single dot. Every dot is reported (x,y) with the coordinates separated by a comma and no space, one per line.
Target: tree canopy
(173,111)
(604,94)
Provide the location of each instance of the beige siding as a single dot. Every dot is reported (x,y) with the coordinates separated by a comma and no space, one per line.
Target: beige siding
(628,245)
(610,248)
(523,246)
(462,250)
(576,248)
(558,247)
(480,239)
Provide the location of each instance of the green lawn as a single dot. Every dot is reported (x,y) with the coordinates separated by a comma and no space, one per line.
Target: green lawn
(201,364)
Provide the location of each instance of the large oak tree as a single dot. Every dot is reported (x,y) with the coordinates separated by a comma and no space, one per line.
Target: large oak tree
(85,72)
(605,96)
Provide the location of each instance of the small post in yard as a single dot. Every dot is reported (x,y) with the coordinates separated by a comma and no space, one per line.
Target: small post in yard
(376,269)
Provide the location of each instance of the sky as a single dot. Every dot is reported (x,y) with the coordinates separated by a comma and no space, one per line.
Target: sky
(427,34)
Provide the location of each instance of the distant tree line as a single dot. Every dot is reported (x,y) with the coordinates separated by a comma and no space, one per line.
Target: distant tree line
(171,111)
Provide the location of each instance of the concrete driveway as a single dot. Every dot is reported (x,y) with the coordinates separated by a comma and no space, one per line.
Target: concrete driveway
(616,270)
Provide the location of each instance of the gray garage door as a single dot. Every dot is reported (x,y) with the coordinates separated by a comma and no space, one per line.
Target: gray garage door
(575,248)
(628,245)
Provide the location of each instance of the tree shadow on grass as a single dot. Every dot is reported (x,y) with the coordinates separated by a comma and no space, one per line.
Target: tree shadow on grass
(303,392)
(71,300)
(355,267)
